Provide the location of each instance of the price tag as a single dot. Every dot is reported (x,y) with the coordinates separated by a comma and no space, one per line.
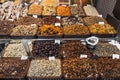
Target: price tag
(75,5)
(99,15)
(76,16)
(57,24)
(101,23)
(35,16)
(33,25)
(57,41)
(11,19)
(64,5)
(58,17)
(24,57)
(36,3)
(83,56)
(52,58)
(116,56)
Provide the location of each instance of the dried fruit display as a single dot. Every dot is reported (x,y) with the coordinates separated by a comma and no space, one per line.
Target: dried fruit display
(47,30)
(77,10)
(73,49)
(24,30)
(78,69)
(49,10)
(28,21)
(42,68)
(35,9)
(76,30)
(46,49)
(102,29)
(13,68)
(93,19)
(105,49)
(5,27)
(63,11)
(50,20)
(71,21)
(50,2)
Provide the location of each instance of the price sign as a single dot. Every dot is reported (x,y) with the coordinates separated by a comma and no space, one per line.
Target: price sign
(24,57)
(83,56)
(57,41)
(116,56)
(52,58)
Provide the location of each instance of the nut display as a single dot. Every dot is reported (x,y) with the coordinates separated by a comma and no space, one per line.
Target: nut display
(13,68)
(35,9)
(73,49)
(25,30)
(50,2)
(50,20)
(102,29)
(5,27)
(45,68)
(76,30)
(46,49)
(47,30)
(105,49)
(92,20)
(71,20)
(63,11)
(78,69)
(28,21)
(15,50)
(77,10)
(49,10)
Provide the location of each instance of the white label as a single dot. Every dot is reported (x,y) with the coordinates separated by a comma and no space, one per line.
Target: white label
(35,16)
(75,5)
(24,57)
(57,24)
(116,56)
(101,23)
(40,0)
(35,2)
(52,58)
(57,41)
(33,25)
(63,5)
(58,17)
(76,16)
(83,56)
(99,15)
(11,19)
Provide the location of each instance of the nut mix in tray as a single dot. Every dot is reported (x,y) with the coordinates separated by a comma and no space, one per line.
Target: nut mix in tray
(6,27)
(42,68)
(71,20)
(105,49)
(13,68)
(46,48)
(102,29)
(73,49)
(25,30)
(76,30)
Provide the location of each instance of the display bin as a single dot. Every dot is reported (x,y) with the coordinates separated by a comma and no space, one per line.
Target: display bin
(44,78)
(13,75)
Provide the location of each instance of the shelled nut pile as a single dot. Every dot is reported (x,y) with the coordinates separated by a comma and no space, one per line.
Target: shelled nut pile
(73,49)
(45,49)
(45,68)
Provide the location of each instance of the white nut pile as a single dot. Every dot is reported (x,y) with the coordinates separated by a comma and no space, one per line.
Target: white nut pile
(15,50)
(45,68)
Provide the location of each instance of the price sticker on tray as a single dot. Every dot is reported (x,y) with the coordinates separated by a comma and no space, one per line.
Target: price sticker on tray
(83,56)
(100,16)
(24,57)
(58,17)
(101,23)
(57,41)
(57,24)
(35,16)
(52,58)
(116,56)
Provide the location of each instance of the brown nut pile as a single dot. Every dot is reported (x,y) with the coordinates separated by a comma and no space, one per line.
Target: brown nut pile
(5,27)
(71,20)
(76,30)
(73,49)
(107,67)
(49,10)
(78,69)
(25,30)
(92,20)
(77,10)
(28,21)
(10,68)
(45,68)
(105,49)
